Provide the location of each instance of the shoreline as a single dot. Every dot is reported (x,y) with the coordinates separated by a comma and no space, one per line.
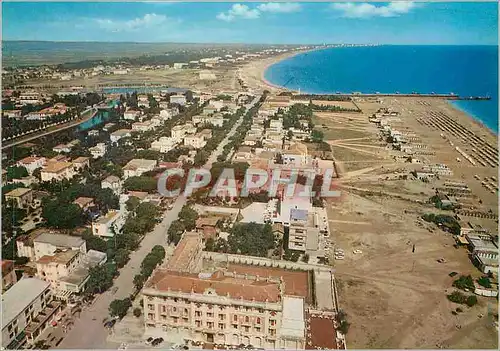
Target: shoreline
(265,84)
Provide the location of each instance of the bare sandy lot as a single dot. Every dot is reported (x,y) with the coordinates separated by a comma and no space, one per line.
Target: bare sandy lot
(396,298)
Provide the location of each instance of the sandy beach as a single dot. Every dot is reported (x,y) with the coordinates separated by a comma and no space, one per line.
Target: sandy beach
(253,73)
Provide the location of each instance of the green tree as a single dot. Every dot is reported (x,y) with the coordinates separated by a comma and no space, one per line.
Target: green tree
(121,257)
(94,242)
(101,278)
(16,172)
(132,203)
(188,217)
(62,215)
(137,312)
(139,280)
(175,231)
(141,183)
(317,136)
(251,239)
(119,308)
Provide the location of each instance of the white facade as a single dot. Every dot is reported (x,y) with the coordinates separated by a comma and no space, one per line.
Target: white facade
(164,144)
(98,151)
(120,133)
(57,171)
(108,225)
(136,167)
(178,99)
(131,115)
(112,182)
(32,163)
(21,305)
(197,141)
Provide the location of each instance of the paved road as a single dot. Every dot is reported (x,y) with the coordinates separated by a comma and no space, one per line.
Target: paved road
(88,331)
(54,129)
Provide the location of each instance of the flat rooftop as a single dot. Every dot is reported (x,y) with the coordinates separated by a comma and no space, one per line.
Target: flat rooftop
(164,280)
(293,323)
(19,296)
(59,240)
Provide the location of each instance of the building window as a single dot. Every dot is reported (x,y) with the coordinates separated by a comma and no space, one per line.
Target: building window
(164,308)
(247,319)
(247,329)
(235,318)
(221,317)
(174,309)
(163,317)
(198,324)
(185,311)
(151,316)
(210,315)
(272,322)
(257,329)
(175,319)
(210,325)
(221,326)
(185,320)
(235,326)
(151,307)
(272,332)
(197,313)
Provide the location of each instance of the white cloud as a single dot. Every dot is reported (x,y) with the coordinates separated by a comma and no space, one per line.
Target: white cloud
(239,11)
(147,21)
(283,7)
(366,10)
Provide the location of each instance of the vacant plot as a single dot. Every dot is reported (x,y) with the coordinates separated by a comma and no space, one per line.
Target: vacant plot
(394,297)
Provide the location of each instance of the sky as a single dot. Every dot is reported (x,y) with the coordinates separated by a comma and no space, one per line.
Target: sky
(401,22)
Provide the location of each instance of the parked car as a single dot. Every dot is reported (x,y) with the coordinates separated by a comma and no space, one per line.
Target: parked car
(149,340)
(157,341)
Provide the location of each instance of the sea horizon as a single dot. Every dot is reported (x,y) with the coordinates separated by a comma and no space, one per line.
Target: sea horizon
(314,75)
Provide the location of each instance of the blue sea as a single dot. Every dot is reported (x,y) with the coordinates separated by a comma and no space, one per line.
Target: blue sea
(463,70)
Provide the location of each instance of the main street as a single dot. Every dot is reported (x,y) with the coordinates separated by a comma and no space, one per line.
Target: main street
(88,331)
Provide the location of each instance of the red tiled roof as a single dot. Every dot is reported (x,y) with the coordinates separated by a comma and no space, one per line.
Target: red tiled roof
(246,289)
(296,282)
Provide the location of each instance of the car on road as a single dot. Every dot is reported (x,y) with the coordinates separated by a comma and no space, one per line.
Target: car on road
(123,346)
(157,341)
(110,324)
(149,340)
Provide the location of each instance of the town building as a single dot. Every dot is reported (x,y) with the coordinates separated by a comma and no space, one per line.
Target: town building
(164,144)
(27,309)
(138,166)
(85,203)
(98,151)
(179,131)
(131,114)
(143,126)
(112,182)
(196,141)
(120,133)
(235,300)
(80,163)
(9,277)
(108,225)
(67,270)
(20,197)
(57,171)
(31,163)
(178,99)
